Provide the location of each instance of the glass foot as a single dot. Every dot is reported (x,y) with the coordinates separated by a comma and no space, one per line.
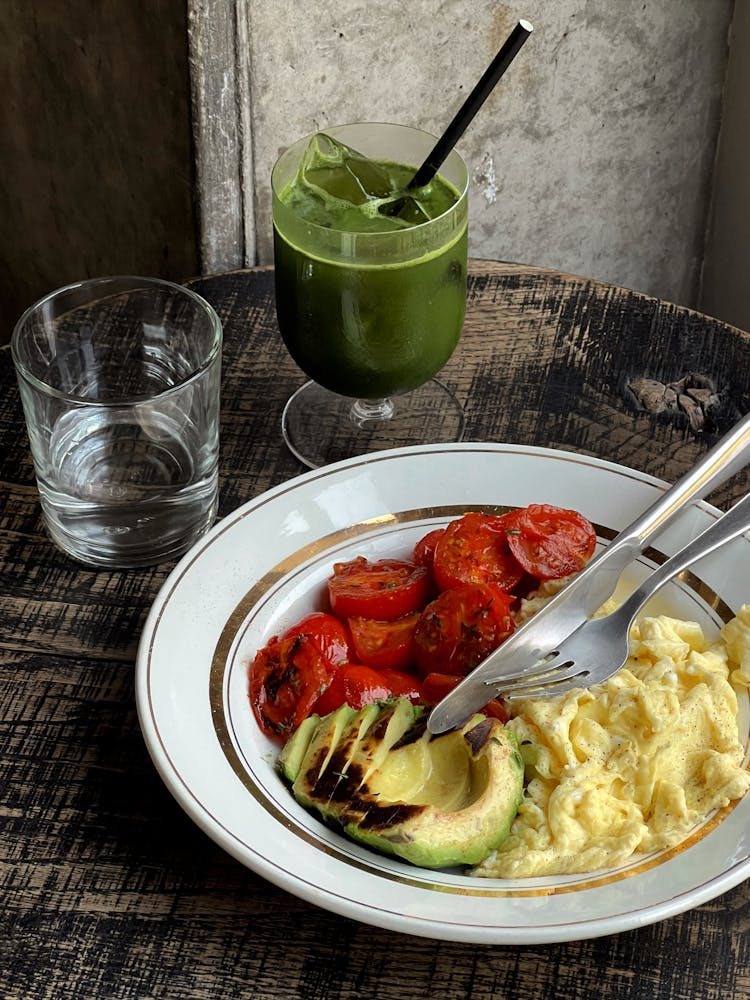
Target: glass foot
(321,427)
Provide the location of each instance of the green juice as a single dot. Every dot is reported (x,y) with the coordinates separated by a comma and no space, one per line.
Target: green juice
(370,281)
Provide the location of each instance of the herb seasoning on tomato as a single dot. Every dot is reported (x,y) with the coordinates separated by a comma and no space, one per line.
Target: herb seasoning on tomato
(387,645)
(287,677)
(384,590)
(550,542)
(474,549)
(461,627)
(385,627)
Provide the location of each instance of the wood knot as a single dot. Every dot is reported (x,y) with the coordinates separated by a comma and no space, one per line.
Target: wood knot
(693,396)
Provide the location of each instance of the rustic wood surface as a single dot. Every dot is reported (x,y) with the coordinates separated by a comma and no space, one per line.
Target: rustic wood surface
(107,889)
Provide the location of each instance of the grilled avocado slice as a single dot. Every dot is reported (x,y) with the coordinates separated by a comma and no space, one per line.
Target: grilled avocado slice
(380,775)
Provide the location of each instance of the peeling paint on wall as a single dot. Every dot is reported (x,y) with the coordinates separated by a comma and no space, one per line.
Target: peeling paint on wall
(484,176)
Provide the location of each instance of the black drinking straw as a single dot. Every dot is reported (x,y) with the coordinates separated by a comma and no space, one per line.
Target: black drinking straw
(472,104)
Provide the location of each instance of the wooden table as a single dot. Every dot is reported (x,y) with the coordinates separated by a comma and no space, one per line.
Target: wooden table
(107,889)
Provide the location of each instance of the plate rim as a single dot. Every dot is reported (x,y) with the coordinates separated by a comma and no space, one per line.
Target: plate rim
(346,906)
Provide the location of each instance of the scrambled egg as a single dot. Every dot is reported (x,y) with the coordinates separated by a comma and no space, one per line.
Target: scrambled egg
(629,766)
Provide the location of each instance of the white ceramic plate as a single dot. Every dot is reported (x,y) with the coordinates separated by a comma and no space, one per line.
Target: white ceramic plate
(263,566)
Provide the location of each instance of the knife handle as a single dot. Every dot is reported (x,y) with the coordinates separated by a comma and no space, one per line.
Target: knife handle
(581,597)
(727,456)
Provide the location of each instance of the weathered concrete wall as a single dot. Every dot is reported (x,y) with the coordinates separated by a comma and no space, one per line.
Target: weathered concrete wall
(593,155)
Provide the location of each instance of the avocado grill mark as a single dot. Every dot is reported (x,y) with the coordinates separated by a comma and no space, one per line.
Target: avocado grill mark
(413,733)
(342,783)
(461,790)
(379,817)
(357,804)
(376,732)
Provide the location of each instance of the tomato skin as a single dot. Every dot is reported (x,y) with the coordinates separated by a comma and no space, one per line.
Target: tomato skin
(424,550)
(324,660)
(384,590)
(461,627)
(550,542)
(403,685)
(382,645)
(474,549)
(329,634)
(357,685)
(287,676)
(436,687)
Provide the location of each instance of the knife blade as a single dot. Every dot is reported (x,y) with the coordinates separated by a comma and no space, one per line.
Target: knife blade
(582,596)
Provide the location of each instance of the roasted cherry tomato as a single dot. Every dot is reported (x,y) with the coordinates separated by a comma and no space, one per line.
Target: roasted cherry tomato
(287,677)
(474,549)
(384,590)
(424,550)
(461,627)
(384,644)
(403,685)
(437,686)
(357,685)
(550,542)
(329,634)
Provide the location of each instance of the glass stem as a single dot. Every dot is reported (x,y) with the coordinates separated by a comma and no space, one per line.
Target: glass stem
(366,411)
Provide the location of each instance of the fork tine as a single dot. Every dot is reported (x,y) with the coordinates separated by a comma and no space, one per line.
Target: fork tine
(545,678)
(546,690)
(543,665)
(549,665)
(597,648)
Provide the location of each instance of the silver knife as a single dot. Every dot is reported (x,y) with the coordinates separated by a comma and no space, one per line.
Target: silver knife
(580,598)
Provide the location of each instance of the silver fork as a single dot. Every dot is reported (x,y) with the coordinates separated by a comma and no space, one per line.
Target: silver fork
(580,598)
(599,648)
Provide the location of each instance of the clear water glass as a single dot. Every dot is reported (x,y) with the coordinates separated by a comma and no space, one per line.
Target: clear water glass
(119,379)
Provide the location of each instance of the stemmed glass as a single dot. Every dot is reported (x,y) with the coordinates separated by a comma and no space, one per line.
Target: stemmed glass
(370,316)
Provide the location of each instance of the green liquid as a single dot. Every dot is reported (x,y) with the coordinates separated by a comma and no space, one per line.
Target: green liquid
(369,329)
